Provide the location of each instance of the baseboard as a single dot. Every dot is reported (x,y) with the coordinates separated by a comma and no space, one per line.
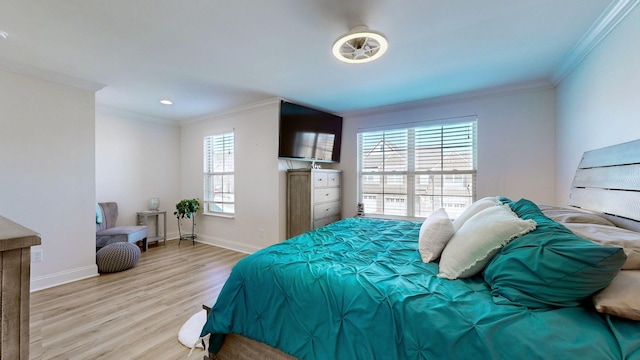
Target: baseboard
(64,277)
(231,245)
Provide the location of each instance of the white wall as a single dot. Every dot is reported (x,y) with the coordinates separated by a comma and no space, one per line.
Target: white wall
(516,142)
(598,104)
(137,160)
(47,172)
(259,217)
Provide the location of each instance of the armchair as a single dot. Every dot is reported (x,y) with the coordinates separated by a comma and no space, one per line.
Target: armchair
(107,232)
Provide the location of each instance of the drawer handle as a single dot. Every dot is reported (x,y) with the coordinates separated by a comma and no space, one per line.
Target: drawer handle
(327,194)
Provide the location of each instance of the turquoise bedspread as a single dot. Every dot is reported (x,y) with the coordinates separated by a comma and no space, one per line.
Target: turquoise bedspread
(357,289)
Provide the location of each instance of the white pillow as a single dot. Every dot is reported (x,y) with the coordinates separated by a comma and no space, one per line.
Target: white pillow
(474,209)
(189,333)
(479,239)
(435,232)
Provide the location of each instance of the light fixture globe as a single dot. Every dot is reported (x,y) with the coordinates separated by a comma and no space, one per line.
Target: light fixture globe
(360,45)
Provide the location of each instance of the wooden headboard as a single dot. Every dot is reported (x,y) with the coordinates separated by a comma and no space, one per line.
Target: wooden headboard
(607,181)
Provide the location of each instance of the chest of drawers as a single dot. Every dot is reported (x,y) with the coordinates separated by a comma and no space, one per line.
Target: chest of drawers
(313,199)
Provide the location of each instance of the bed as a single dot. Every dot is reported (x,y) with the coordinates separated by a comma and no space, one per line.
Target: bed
(553,282)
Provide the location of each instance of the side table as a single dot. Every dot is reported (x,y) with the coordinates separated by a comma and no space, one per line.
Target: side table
(142,220)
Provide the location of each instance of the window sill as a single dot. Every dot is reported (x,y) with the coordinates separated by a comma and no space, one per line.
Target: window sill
(220,215)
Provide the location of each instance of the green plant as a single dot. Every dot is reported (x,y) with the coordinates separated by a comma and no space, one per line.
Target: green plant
(186,207)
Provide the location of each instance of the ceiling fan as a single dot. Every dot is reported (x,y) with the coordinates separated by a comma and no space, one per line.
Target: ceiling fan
(360,45)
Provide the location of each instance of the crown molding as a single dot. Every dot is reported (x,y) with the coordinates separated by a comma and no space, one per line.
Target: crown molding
(229,112)
(487,93)
(48,75)
(610,18)
(103,109)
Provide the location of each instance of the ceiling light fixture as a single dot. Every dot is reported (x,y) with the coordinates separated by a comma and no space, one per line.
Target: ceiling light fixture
(3,34)
(360,45)
(166,102)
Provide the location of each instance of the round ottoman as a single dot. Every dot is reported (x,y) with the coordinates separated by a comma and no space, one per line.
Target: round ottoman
(117,257)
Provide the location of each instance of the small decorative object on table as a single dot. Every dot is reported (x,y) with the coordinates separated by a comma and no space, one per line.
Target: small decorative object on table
(154,204)
(187,208)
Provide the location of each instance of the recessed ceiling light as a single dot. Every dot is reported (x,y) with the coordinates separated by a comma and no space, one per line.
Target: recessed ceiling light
(166,102)
(360,45)
(3,34)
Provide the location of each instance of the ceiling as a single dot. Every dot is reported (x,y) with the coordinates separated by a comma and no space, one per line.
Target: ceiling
(209,56)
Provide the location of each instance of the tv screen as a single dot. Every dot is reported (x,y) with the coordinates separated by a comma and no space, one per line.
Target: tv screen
(308,134)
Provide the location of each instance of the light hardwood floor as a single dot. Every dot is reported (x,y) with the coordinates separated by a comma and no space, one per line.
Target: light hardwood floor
(134,314)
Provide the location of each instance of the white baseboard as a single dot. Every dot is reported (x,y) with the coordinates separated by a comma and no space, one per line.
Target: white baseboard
(64,277)
(231,245)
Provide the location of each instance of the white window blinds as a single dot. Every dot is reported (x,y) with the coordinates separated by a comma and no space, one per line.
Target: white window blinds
(219,189)
(416,170)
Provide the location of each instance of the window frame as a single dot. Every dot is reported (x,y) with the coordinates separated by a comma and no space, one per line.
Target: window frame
(415,178)
(210,174)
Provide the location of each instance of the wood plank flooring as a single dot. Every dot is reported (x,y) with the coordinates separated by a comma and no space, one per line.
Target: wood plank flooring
(134,314)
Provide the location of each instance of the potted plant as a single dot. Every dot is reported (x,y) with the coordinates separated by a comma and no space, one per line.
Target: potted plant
(187,208)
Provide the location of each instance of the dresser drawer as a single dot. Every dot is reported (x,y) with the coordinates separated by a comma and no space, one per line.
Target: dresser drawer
(320,179)
(325,221)
(326,195)
(326,210)
(326,179)
(333,179)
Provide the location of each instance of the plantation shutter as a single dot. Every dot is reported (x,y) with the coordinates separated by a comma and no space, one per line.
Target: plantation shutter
(416,170)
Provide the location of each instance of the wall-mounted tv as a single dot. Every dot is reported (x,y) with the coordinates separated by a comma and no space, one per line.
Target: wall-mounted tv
(308,134)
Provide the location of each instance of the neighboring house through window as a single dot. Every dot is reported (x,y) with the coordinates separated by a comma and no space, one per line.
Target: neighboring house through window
(413,170)
(219,189)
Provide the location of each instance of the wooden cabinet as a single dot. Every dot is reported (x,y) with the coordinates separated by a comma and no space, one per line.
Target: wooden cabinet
(313,199)
(15,266)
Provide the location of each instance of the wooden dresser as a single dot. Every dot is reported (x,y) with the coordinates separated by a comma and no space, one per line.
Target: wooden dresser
(15,267)
(313,199)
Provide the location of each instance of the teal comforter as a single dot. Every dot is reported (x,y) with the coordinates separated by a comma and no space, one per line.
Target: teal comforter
(357,289)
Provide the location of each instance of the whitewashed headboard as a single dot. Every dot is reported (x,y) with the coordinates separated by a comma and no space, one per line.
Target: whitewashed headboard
(607,181)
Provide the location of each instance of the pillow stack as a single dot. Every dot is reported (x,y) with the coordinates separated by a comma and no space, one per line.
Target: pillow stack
(437,229)
(550,266)
(622,297)
(479,239)
(468,243)
(531,260)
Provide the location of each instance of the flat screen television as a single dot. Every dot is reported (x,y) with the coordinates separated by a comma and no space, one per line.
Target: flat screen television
(308,134)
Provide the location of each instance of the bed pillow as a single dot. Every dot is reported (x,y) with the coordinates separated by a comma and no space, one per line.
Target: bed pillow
(475,243)
(435,232)
(474,209)
(98,214)
(628,240)
(565,215)
(189,333)
(550,266)
(622,297)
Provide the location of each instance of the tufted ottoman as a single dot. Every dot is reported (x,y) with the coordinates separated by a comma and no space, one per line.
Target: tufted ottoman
(117,257)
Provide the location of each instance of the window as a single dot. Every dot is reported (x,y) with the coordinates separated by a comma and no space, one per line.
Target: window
(418,168)
(219,189)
